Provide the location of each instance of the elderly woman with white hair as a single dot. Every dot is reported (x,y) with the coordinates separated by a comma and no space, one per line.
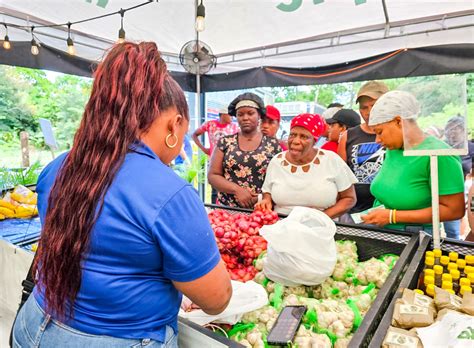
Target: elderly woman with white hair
(403,184)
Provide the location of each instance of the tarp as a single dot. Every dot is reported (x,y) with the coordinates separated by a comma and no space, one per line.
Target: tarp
(20,231)
(291,34)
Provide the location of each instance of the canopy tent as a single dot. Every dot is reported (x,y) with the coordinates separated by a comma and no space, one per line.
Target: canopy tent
(257,43)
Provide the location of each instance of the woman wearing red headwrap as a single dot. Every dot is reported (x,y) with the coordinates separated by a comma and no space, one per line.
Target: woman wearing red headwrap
(308,176)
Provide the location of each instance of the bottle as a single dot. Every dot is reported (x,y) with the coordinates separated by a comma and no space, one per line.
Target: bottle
(464,282)
(430,290)
(429,254)
(461,264)
(451,266)
(467,270)
(437,254)
(470,276)
(444,260)
(426,273)
(465,289)
(429,262)
(447,285)
(438,274)
(453,256)
(469,260)
(446,277)
(451,291)
(429,273)
(418,291)
(428,280)
(455,275)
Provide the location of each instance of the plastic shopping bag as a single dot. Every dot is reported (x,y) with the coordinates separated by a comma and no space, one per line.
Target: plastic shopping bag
(454,330)
(301,248)
(246,297)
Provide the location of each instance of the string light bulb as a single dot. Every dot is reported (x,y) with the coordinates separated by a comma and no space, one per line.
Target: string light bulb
(6,41)
(121,33)
(70,44)
(34,44)
(34,47)
(200,16)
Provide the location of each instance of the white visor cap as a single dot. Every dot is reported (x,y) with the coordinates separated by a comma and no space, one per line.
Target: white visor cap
(329,113)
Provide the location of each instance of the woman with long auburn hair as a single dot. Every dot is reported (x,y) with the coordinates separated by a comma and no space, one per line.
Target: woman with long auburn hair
(123,236)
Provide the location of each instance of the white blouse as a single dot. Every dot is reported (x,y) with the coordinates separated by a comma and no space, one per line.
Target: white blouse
(314,185)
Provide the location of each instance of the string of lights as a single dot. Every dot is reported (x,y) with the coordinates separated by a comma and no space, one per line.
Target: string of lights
(69,41)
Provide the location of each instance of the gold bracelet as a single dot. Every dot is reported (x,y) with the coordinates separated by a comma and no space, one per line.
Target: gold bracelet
(394,217)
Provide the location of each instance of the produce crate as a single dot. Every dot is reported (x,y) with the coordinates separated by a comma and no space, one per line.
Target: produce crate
(371,242)
(410,279)
(193,335)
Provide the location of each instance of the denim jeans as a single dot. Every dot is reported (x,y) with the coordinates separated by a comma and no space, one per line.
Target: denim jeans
(452,228)
(34,328)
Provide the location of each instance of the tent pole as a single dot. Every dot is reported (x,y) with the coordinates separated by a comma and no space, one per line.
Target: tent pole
(201,117)
(435,200)
(387,19)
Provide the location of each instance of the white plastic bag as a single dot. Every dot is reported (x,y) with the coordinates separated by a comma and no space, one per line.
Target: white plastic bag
(301,248)
(455,330)
(246,297)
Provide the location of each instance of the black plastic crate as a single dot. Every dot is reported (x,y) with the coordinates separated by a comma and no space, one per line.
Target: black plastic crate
(410,279)
(371,242)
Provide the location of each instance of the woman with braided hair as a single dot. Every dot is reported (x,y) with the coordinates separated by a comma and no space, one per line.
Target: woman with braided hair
(116,255)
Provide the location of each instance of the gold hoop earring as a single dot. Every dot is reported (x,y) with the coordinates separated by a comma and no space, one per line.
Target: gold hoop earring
(167,139)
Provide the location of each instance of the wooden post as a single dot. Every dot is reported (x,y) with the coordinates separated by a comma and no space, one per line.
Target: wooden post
(25,152)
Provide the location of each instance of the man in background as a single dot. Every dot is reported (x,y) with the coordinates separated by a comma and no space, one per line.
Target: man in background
(358,148)
(338,124)
(215,129)
(455,135)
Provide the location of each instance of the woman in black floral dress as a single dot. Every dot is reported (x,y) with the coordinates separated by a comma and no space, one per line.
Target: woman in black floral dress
(239,162)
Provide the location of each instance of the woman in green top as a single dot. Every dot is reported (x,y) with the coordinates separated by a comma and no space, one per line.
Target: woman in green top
(403,184)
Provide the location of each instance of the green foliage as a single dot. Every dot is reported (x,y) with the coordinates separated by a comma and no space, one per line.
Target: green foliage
(15,112)
(434,93)
(196,170)
(470,87)
(321,94)
(441,97)
(26,95)
(439,119)
(22,176)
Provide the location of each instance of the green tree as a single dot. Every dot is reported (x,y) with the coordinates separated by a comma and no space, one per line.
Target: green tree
(71,96)
(40,91)
(15,112)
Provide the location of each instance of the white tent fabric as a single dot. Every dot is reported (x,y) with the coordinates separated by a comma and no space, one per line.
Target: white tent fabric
(246,34)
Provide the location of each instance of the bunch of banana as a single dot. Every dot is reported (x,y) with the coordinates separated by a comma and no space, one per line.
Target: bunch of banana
(21,203)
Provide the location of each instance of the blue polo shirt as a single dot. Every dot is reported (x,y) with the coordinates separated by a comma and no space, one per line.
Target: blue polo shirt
(153,229)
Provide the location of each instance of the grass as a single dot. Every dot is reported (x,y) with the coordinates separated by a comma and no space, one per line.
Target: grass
(10,178)
(11,157)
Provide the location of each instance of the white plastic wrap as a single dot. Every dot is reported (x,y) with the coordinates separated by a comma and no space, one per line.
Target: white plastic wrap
(301,248)
(246,297)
